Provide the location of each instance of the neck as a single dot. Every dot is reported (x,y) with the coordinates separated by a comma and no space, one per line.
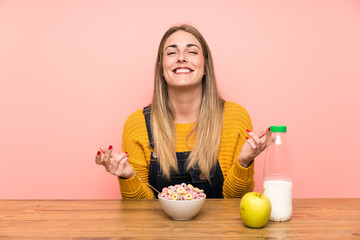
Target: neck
(186,103)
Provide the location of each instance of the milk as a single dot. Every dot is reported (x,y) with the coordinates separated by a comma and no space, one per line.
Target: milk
(280,194)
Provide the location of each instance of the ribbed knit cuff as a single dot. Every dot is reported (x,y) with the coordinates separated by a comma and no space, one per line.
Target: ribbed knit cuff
(244,174)
(130,184)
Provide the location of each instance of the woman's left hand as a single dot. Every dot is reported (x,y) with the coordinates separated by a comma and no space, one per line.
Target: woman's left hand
(254,146)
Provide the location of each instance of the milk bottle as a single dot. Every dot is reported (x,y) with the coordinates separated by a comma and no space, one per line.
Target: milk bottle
(278,176)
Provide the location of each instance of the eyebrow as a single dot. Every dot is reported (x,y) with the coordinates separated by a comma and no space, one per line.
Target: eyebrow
(187,45)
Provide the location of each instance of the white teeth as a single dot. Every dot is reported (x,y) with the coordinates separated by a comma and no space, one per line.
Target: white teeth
(182,70)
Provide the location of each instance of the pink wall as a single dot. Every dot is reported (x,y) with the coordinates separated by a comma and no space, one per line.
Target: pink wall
(72,71)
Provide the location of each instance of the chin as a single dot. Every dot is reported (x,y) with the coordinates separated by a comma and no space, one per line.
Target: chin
(184,83)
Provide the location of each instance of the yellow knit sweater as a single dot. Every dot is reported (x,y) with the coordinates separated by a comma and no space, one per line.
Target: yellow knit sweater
(237,180)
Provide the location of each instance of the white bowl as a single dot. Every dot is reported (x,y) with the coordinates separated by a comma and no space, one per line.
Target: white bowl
(182,209)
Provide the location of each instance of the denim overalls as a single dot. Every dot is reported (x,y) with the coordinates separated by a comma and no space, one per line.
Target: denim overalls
(193,176)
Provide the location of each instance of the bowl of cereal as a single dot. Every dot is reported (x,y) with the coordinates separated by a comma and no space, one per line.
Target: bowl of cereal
(182,201)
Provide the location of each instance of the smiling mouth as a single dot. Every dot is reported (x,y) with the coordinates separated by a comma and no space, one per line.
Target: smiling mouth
(182,70)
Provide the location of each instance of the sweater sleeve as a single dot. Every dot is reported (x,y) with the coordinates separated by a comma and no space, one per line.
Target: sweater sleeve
(134,142)
(238,180)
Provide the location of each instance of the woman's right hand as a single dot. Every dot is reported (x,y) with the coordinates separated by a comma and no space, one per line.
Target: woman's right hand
(114,163)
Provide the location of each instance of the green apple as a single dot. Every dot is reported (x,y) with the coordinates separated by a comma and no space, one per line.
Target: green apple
(255,209)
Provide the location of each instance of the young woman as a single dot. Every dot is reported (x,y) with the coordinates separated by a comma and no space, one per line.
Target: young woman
(188,134)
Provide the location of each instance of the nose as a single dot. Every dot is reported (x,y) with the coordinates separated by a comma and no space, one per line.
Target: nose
(181,58)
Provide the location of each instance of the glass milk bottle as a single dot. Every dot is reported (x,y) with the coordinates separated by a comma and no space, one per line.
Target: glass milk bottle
(278,175)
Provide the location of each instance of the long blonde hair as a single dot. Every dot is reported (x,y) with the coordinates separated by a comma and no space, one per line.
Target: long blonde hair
(207,129)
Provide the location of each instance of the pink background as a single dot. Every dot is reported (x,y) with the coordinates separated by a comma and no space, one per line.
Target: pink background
(72,71)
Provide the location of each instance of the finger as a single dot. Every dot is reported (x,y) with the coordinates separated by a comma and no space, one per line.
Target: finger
(113,165)
(254,137)
(103,150)
(123,158)
(118,156)
(98,158)
(112,153)
(251,143)
(262,133)
(268,136)
(121,165)
(108,164)
(116,160)
(265,138)
(107,154)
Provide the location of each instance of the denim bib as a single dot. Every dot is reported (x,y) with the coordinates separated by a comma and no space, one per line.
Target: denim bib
(212,189)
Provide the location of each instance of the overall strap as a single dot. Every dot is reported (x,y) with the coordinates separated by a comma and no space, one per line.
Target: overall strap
(147,112)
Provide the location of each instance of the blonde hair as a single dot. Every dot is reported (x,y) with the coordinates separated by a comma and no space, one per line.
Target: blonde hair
(207,129)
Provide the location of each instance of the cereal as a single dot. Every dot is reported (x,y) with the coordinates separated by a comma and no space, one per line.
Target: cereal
(188,196)
(182,192)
